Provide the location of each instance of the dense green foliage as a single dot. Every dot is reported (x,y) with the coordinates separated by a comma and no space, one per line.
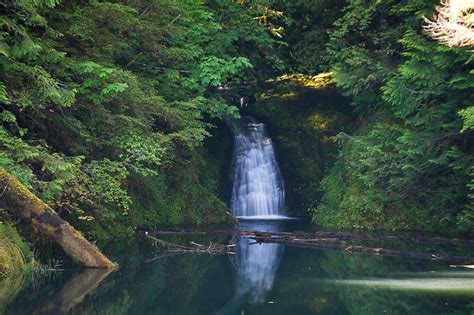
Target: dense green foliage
(410,164)
(305,27)
(112,112)
(105,105)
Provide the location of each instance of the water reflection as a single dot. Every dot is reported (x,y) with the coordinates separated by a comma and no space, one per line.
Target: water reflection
(10,285)
(257,263)
(73,291)
(297,280)
(256,268)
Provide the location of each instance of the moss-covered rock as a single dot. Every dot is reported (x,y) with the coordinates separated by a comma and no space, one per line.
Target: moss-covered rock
(12,260)
(15,260)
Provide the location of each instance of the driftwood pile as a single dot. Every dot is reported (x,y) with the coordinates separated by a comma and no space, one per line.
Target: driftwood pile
(171,249)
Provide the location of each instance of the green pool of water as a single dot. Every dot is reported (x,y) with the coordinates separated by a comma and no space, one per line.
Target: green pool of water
(258,279)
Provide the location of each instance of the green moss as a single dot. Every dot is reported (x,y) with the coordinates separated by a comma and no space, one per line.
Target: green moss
(187,194)
(317,82)
(15,255)
(15,260)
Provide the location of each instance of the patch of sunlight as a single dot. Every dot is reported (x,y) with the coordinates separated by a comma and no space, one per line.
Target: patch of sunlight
(452,285)
(321,122)
(264,96)
(271,94)
(290,94)
(318,81)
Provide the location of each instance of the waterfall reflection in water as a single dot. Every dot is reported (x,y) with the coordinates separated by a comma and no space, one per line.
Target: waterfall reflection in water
(256,268)
(257,263)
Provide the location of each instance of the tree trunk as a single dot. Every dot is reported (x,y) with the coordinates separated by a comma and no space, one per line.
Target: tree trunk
(18,200)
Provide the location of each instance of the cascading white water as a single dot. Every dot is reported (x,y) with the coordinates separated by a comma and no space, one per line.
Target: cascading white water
(258,187)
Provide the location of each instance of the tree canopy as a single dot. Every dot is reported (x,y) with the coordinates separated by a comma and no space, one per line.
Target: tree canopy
(105,106)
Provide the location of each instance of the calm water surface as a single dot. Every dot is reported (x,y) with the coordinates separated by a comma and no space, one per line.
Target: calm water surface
(259,279)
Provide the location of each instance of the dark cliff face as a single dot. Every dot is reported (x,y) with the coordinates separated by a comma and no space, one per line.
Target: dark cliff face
(302,114)
(217,152)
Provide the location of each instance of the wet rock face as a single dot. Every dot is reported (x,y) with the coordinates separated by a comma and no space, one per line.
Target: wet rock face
(302,114)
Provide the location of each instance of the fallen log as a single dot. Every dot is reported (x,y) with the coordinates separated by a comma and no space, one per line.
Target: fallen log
(336,244)
(345,236)
(19,201)
(324,234)
(295,240)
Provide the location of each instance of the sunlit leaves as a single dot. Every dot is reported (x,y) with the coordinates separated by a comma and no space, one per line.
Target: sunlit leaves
(218,108)
(7,117)
(468,117)
(113,89)
(141,153)
(3,94)
(51,170)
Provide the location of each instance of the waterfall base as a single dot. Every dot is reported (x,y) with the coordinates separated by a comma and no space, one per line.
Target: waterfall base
(266,217)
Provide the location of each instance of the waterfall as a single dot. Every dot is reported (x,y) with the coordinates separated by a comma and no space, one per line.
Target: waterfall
(257,186)
(257,193)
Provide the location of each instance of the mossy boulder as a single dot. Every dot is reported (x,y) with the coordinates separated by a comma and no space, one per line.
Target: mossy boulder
(11,258)
(15,255)
(15,260)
